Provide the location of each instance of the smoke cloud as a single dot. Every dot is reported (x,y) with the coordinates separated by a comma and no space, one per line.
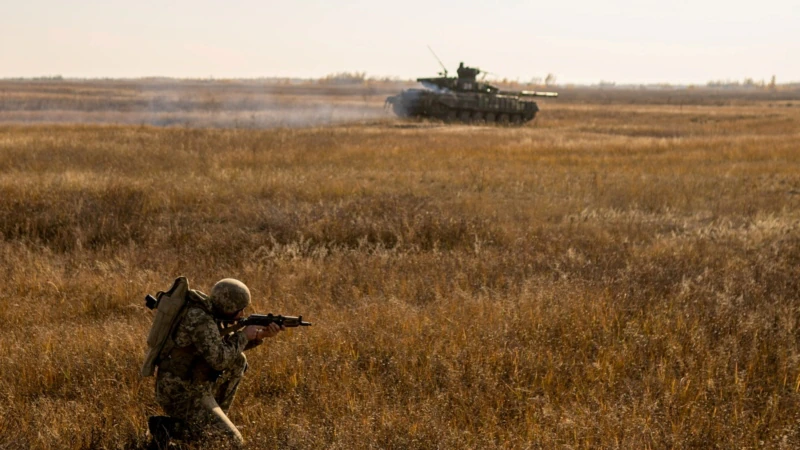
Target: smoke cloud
(200,103)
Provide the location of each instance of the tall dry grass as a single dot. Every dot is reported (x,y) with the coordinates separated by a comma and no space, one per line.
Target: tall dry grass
(611,276)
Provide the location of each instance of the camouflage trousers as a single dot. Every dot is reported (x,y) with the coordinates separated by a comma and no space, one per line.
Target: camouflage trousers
(203,406)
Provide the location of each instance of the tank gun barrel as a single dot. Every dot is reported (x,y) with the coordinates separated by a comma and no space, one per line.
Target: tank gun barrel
(530,93)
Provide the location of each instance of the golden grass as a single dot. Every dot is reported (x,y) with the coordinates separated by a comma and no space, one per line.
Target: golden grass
(610,276)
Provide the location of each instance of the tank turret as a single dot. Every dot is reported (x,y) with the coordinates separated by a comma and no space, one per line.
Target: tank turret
(464,98)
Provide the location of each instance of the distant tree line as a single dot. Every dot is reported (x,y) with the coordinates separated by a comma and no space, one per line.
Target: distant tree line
(746,83)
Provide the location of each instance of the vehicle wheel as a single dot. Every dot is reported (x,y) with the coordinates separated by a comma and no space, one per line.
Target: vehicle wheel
(490,118)
(464,116)
(477,117)
(503,119)
(516,119)
(451,116)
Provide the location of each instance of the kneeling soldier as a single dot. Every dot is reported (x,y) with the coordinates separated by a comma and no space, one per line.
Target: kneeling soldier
(199,372)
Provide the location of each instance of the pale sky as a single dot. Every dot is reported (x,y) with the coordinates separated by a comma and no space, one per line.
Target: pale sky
(579,41)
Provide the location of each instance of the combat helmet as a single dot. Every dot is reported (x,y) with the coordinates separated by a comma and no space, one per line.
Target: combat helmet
(228,297)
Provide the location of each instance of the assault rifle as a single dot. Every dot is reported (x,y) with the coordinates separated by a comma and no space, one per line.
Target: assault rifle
(264,320)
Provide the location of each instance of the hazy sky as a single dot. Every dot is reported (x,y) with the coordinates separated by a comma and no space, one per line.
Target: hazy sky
(579,41)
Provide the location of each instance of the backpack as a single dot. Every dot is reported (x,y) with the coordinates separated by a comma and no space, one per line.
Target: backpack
(169,306)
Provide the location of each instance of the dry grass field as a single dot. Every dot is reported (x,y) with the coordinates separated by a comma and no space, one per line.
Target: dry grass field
(623,272)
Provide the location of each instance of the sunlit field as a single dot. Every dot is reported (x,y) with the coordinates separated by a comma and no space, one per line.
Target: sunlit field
(622,272)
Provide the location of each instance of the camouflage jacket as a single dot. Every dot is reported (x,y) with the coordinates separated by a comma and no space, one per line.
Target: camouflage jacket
(198,352)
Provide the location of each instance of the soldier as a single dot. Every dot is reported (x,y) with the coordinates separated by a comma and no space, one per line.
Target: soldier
(198,374)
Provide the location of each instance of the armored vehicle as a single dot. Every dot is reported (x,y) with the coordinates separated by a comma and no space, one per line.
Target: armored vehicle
(465,99)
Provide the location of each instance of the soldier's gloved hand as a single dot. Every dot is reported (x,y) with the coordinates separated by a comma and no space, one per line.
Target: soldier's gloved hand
(255,332)
(271,331)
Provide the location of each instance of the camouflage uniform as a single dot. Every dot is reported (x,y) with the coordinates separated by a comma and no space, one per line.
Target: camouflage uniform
(199,372)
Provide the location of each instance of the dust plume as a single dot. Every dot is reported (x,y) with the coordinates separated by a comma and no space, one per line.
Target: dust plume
(192,103)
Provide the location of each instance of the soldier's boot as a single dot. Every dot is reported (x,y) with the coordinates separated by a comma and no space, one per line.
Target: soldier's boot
(162,429)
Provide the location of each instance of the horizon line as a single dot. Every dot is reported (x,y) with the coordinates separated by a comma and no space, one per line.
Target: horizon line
(747,83)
